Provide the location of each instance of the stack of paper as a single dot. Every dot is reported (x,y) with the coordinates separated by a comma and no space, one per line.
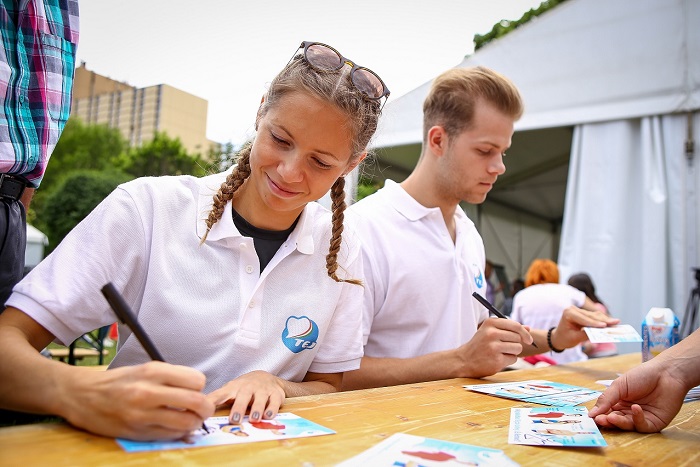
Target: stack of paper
(539,392)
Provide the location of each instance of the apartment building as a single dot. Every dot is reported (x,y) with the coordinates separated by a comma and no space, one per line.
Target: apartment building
(139,112)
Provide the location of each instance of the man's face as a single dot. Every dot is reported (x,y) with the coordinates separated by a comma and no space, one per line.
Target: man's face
(473,159)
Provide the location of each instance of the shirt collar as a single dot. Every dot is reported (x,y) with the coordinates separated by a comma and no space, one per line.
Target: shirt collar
(301,236)
(405,203)
(411,209)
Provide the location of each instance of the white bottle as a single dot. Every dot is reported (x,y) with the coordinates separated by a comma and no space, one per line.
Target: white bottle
(659,332)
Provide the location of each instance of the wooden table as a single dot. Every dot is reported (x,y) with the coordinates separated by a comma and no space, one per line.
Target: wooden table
(439,409)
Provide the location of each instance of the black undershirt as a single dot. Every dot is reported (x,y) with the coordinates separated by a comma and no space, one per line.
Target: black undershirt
(266,242)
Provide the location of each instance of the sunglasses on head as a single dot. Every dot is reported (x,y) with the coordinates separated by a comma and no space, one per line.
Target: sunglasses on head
(323,57)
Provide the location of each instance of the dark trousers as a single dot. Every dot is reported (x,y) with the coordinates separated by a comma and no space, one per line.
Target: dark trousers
(13,242)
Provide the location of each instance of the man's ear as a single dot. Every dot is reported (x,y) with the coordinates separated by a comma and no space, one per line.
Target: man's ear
(437,140)
(354,164)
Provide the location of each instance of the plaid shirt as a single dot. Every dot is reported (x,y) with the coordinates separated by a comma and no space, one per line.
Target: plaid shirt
(37,65)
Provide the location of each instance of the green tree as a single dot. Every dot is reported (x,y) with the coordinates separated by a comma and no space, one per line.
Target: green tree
(162,156)
(366,187)
(225,157)
(81,147)
(505,26)
(75,197)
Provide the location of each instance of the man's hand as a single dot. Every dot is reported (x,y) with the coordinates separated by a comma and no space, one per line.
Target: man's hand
(569,332)
(496,344)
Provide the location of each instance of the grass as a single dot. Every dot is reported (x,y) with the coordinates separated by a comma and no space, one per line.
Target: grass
(89,361)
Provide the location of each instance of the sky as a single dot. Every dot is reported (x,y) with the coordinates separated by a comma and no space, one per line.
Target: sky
(227,51)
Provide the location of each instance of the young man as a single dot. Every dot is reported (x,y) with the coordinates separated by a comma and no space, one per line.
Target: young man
(424,258)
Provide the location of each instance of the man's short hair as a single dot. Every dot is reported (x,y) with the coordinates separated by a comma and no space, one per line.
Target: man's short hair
(453,95)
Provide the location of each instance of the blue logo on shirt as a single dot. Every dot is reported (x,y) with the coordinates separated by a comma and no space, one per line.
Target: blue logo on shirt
(300,333)
(478,279)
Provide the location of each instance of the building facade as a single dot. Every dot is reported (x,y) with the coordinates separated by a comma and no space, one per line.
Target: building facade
(140,112)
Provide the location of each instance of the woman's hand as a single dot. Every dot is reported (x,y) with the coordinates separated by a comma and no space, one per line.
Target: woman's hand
(258,391)
(153,401)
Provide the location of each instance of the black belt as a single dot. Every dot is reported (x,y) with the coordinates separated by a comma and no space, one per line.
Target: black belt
(12,186)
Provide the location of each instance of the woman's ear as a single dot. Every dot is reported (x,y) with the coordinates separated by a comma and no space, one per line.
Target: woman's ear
(354,164)
(260,112)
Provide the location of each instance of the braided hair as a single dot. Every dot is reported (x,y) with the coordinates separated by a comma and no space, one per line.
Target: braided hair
(336,88)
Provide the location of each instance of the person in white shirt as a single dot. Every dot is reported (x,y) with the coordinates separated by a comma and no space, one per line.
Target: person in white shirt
(424,258)
(543,300)
(249,289)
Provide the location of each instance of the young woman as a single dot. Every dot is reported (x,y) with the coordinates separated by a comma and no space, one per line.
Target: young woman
(248,288)
(584,283)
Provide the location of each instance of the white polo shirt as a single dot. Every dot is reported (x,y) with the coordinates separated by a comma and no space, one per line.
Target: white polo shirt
(418,283)
(540,306)
(205,306)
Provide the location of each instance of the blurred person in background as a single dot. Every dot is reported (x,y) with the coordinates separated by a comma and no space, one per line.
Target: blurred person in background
(543,300)
(584,283)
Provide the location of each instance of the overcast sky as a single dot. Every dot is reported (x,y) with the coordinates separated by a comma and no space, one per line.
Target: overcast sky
(227,51)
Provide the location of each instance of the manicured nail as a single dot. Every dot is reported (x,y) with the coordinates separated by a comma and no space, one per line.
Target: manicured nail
(255,415)
(236,417)
(268,414)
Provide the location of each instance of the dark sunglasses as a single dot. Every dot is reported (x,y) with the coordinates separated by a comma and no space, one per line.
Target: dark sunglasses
(323,57)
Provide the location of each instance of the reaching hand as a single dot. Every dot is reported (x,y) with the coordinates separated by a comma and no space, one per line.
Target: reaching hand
(569,331)
(645,399)
(262,392)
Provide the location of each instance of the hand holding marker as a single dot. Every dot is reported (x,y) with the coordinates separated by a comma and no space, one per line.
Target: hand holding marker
(493,310)
(126,316)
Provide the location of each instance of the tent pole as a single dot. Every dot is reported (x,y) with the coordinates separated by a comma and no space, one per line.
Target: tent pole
(691,201)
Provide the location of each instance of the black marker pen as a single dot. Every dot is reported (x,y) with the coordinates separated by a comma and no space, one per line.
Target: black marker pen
(126,316)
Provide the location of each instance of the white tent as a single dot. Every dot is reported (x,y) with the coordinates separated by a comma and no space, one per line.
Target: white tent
(601,175)
(36,241)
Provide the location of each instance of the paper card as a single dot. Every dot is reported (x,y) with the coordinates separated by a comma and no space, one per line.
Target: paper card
(693,395)
(285,425)
(538,392)
(401,449)
(554,426)
(619,333)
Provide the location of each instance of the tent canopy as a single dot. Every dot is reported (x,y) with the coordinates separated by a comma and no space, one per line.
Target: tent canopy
(584,61)
(581,67)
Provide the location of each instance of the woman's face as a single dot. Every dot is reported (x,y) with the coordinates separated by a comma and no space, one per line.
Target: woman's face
(303,145)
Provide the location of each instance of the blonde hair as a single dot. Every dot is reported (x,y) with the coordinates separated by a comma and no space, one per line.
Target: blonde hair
(542,271)
(336,88)
(454,93)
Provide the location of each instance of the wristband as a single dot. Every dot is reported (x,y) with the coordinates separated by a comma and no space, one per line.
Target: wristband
(549,341)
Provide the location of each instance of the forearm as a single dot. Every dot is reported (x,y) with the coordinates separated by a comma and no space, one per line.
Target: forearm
(378,372)
(539,337)
(26,198)
(307,388)
(314,383)
(682,361)
(29,382)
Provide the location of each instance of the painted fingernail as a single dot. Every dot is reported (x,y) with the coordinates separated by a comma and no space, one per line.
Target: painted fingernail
(236,417)
(268,414)
(255,415)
